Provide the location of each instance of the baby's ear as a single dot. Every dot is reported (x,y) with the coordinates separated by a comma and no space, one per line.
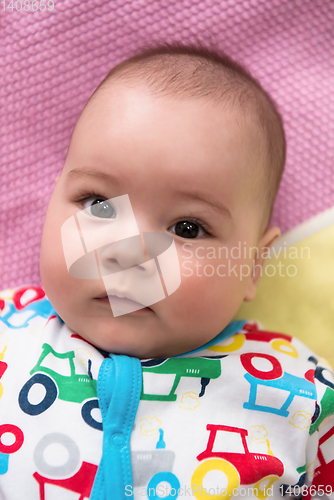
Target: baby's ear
(263,246)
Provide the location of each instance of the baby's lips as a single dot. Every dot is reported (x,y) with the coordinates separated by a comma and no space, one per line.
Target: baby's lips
(125,303)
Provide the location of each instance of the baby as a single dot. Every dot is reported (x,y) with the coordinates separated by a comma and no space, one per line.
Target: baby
(125,376)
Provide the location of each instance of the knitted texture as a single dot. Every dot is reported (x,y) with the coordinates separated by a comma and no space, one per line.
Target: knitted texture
(50,63)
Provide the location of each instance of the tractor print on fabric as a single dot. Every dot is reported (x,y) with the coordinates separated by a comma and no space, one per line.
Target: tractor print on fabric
(325,377)
(154,467)
(8,449)
(295,489)
(204,368)
(27,303)
(279,342)
(240,468)
(73,388)
(276,380)
(323,475)
(80,482)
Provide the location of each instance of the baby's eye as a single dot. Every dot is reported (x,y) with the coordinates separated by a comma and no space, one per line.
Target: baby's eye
(100,208)
(188,229)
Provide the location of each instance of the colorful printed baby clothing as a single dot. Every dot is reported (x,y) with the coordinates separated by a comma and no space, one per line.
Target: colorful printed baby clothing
(248,414)
(50,423)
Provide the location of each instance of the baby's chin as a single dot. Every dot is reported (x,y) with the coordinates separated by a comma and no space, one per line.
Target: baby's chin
(115,336)
(133,340)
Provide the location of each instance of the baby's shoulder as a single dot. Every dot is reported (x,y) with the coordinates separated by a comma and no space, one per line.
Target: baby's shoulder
(254,346)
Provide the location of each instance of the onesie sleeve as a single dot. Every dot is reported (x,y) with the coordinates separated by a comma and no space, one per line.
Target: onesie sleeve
(320,452)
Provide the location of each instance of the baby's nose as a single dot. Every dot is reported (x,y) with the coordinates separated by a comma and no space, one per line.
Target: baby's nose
(121,255)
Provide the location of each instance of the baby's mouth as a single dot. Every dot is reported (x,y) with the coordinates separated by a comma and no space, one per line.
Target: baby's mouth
(123,304)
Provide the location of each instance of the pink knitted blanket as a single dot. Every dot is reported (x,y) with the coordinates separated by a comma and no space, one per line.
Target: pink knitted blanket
(51,61)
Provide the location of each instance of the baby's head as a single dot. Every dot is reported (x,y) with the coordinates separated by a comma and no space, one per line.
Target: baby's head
(198,147)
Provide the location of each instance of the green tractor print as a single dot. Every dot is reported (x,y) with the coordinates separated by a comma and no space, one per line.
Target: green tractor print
(203,368)
(73,388)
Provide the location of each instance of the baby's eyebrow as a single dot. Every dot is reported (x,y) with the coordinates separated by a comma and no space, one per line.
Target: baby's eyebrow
(91,173)
(219,207)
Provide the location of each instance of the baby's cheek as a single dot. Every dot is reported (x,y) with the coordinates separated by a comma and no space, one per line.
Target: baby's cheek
(59,286)
(210,285)
(201,310)
(199,291)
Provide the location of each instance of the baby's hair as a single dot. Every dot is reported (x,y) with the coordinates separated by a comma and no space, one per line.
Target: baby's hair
(182,70)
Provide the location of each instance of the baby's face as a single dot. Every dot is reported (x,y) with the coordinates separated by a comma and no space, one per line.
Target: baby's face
(188,169)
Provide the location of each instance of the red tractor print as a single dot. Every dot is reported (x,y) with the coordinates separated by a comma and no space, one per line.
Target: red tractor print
(240,468)
(81,482)
(323,478)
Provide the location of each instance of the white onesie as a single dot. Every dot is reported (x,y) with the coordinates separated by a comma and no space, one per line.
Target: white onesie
(248,414)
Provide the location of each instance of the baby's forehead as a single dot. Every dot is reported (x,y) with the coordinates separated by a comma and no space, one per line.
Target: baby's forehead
(113,100)
(181,117)
(201,149)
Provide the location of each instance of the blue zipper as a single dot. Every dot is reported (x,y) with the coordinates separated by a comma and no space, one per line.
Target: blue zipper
(119,386)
